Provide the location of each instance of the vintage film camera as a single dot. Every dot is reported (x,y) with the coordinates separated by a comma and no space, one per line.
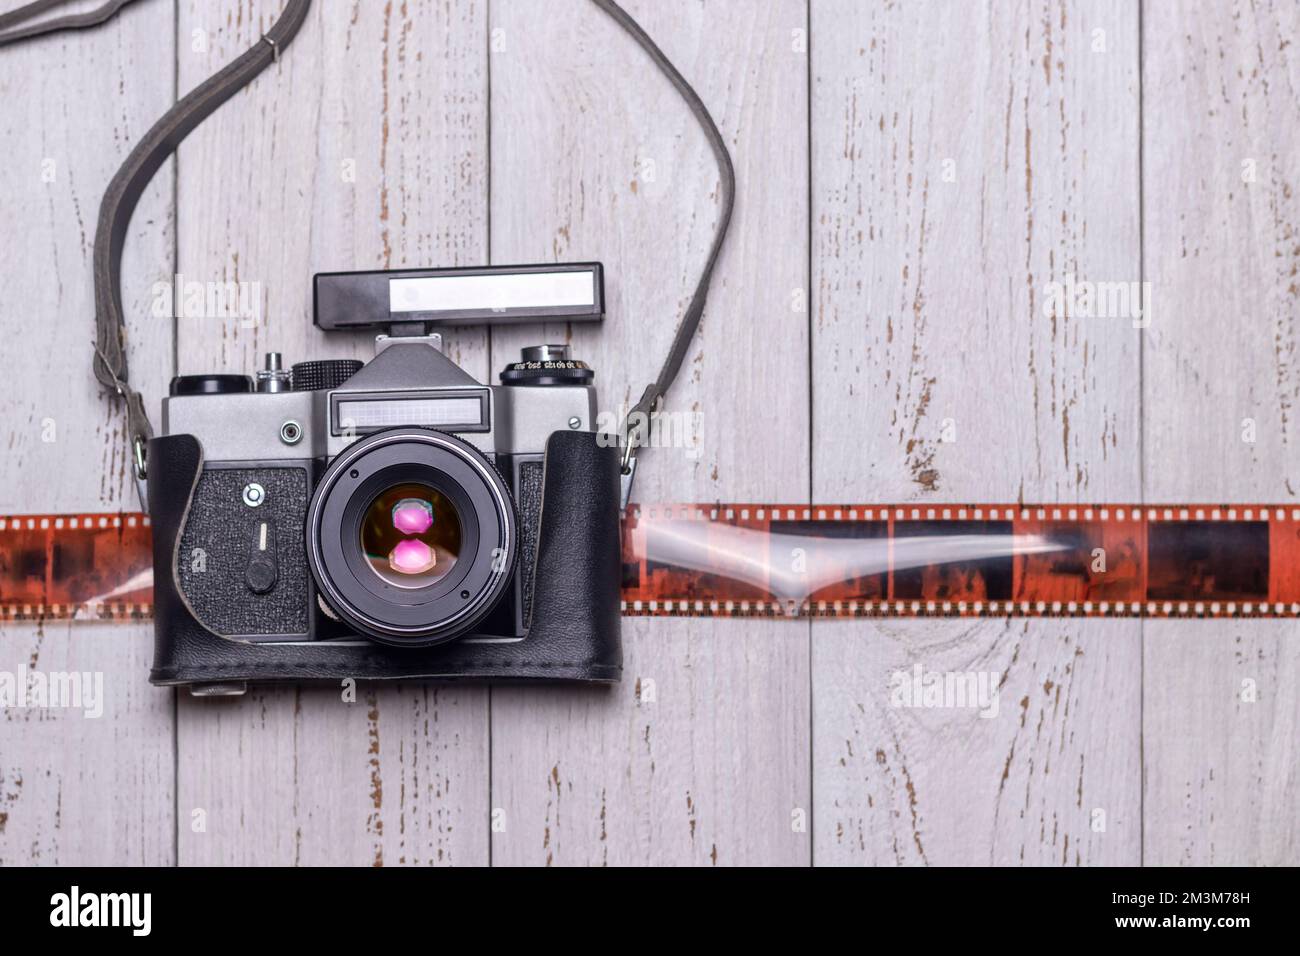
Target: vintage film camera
(393,519)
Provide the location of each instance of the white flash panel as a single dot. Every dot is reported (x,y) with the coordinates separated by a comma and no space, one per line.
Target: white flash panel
(516,290)
(429,412)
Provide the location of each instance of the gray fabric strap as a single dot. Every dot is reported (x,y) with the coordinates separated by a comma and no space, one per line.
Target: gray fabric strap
(637,423)
(11,32)
(161,141)
(124,192)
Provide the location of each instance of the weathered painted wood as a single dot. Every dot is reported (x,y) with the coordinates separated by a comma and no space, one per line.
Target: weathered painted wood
(1221,247)
(76,789)
(964,156)
(701,754)
(368,147)
(365,148)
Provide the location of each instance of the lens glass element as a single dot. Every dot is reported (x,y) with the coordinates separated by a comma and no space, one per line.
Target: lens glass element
(411,535)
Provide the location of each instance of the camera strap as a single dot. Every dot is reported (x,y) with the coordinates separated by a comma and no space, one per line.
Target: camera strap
(12,30)
(130,181)
(636,425)
(123,193)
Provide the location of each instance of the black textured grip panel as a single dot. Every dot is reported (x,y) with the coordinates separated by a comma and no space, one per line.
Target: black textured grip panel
(219,541)
(576,615)
(324,373)
(529,498)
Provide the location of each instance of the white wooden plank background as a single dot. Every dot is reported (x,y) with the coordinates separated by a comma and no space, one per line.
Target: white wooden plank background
(965,156)
(1221,210)
(75,789)
(594,156)
(871,290)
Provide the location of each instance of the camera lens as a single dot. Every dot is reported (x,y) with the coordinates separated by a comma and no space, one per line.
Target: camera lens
(412,536)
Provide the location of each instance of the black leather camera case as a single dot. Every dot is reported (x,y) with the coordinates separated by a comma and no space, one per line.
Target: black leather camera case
(574,632)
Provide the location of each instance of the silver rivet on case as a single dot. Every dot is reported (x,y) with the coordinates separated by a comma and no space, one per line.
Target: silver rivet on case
(575,422)
(254,494)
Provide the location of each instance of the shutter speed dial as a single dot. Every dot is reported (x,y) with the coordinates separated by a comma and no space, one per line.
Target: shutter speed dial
(326,373)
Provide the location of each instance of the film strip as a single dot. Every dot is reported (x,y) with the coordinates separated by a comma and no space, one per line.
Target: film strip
(79,567)
(765,560)
(830,561)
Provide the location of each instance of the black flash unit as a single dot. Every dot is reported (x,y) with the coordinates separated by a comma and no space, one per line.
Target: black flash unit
(486,295)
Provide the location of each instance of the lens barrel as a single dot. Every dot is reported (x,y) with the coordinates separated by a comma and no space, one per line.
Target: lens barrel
(412,536)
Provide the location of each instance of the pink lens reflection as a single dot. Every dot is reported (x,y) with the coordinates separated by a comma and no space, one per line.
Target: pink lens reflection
(412,516)
(412,556)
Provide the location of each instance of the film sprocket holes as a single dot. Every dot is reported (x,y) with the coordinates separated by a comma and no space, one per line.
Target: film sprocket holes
(396,518)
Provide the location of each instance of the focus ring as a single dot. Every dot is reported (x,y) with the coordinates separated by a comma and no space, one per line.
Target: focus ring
(445,609)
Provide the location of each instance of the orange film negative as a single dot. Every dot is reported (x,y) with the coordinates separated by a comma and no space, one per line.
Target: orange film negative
(764,560)
(778,561)
(96,567)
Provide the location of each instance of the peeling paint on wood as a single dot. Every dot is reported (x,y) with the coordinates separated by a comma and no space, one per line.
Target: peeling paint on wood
(939,167)
(965,156)
(76,789)
(1221,170)
(710,770)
